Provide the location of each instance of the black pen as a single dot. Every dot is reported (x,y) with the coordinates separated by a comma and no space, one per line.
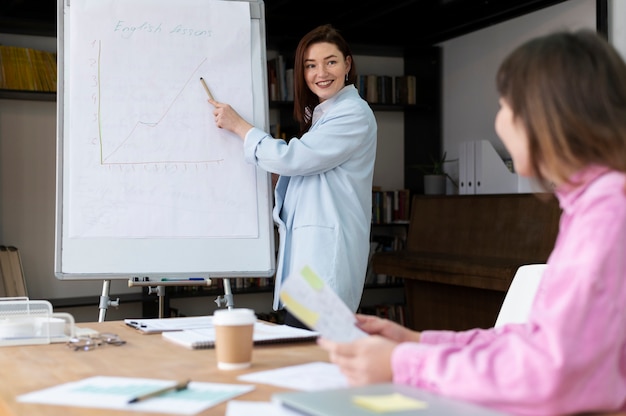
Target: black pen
(176,387)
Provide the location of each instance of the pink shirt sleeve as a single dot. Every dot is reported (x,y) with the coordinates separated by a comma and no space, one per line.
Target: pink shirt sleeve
(571,355)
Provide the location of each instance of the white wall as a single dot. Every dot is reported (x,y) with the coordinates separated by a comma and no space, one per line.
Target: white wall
(27,186)
(617,25)
(470,63)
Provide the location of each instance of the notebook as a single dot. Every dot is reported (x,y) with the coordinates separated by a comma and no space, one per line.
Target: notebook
(158,325)
(264,333)
(377,399)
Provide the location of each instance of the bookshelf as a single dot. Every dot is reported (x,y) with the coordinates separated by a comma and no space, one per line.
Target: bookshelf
(27,95)
(27,73)
(390,206)
(384,295)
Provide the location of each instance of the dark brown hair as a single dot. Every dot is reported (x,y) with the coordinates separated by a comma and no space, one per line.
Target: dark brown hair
(304,99)
(568,89)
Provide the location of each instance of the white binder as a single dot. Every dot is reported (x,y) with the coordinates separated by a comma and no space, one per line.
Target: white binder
(492,176)
(482,171)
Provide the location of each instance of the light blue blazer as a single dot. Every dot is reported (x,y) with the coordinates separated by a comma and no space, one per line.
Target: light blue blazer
(323,198)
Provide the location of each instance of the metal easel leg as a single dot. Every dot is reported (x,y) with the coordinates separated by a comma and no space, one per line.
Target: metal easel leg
(160,292)
(105,301)
(161,295)
(228,299)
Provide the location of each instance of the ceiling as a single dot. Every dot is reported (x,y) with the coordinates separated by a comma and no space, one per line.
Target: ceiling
(362,22)
(391,22)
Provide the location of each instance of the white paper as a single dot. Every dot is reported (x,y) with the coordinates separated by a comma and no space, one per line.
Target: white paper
(115,393)
(243,408)
(308,298)
(146,157)
(263,334)
(156,325)
(307,377)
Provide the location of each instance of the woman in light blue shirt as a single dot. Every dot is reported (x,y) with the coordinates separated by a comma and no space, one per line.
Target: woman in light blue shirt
(323,197)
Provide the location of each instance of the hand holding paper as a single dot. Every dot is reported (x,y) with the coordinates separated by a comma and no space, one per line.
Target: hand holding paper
(310,300)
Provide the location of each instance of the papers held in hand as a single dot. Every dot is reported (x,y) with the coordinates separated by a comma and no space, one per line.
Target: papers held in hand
(310,300)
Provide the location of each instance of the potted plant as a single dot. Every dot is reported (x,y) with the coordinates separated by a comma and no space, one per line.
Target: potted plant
(435,176)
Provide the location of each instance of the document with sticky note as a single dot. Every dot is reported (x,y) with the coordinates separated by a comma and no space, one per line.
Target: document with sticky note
(377,399)
(308,298)
(394,402)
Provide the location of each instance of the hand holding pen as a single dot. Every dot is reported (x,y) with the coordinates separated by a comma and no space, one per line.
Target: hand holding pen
(226,117)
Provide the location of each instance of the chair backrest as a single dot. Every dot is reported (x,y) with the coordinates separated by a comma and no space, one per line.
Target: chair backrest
(519,298)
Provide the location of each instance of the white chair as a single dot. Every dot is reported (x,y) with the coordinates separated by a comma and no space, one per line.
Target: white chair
(519,298)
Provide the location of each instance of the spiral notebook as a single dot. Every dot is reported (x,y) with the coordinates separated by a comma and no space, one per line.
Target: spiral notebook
(264,333)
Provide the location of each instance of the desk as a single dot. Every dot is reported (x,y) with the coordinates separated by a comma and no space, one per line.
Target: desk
(35,367)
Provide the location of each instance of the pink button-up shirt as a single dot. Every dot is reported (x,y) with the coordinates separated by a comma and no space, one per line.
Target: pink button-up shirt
(571,355)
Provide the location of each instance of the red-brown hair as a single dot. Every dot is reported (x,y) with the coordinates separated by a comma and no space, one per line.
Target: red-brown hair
(304,99)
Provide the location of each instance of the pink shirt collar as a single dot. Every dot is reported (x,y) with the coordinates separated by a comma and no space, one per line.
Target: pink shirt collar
(569,192)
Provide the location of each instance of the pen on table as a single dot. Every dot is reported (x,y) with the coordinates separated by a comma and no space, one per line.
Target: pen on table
(182,279)
(206,88)
(176,387)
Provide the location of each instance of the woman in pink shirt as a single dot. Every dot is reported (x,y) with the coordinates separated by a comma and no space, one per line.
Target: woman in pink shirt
(562,118)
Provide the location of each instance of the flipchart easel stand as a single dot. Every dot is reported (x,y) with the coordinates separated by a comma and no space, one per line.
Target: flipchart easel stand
(158,287)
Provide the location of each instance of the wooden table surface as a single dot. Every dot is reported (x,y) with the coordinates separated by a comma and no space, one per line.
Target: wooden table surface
(30,368)
(34,367)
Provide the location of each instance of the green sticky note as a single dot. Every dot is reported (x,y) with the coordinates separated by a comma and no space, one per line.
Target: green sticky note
(388,403)
(312,278)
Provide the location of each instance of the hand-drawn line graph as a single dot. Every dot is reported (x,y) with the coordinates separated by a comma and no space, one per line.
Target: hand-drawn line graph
(169,134)
(143,156)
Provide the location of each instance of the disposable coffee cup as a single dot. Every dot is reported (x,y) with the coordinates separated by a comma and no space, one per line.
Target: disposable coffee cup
(233,337)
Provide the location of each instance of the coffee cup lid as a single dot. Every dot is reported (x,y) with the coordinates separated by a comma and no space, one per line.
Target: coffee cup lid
(235,316)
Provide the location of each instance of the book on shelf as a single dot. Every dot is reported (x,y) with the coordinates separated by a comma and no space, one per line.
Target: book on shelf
(272,80)
(381,243)
(390,206)
(264,333)
(289,83)
(388,242)
(405,90)
(282,83)
(386,89)
(26,69)
(279,82)
(372,89)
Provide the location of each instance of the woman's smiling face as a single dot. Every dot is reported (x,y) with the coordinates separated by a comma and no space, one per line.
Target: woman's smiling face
(325,69)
